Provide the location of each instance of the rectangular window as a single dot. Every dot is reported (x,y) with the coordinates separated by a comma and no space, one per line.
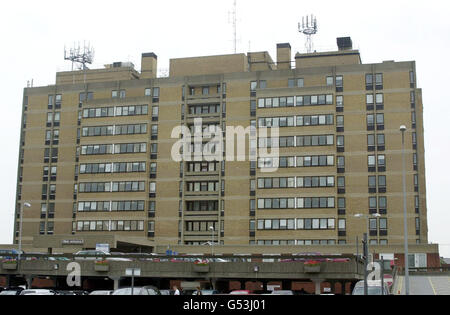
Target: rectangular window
(379,81)
(330,81)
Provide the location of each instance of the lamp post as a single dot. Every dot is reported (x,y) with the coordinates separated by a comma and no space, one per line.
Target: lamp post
(212,240)
(28,205)
(405,221)
(366,246)
(360,215)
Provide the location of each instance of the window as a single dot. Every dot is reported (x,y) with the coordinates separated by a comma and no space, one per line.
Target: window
(372,184)
(370,142)
(155,111)
(382,205)
(339,83)
(315,202)
(151,228)
(373,204)
(330,81)
(373,226)
(341,224)
(114,94)
(154,130)
(381,142)
(339,103)
(341,184)
(340,143)
(383,225)
(340,161)
(148,92)
(339,123)
(50,101)
(291,83)
(50,228)
(379,99)
(379,81)
(43,210)
(371,162)
(412,79)
(382,183)
(370,122)
(380,121)
(381,162)
(124,148)
(369,82)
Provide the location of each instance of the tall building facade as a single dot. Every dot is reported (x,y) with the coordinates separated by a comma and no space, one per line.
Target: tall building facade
(96,154)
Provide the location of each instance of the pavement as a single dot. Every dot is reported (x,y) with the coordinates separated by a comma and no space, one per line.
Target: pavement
(424,285)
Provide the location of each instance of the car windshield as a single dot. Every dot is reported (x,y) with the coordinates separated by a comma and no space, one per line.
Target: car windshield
(370,291)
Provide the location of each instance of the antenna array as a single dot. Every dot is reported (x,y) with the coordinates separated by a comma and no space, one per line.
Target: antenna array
(308,27)
(80,55)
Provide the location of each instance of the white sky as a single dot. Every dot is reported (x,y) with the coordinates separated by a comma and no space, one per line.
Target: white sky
(34,34)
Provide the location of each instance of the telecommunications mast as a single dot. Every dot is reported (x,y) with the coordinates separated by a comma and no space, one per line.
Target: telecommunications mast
(308,27)
(80,55)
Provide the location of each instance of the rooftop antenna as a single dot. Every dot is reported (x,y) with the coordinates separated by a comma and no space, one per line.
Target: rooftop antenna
(234,22)
(80,55)
(308,27)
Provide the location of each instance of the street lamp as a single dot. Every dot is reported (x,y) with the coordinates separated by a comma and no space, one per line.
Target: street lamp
(28,205)
(212,240)
(366,245)
(405,222)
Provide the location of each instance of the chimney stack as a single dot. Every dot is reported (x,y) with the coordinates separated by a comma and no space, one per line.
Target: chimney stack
(283,56)
(149,66)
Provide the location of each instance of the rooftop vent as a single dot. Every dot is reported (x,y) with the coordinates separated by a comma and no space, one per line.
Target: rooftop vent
(344,43)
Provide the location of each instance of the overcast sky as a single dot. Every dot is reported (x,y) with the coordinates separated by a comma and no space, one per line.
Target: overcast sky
(33,35)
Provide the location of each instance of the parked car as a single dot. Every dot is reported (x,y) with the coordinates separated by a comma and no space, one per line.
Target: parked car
(167,292)
(282,292)
(241,292)
(38,292)
(97,254)
(6,253)
(12,291)
(206,292)
(63,292)
(147,290)
(101,292)
(9,292)
(373,288)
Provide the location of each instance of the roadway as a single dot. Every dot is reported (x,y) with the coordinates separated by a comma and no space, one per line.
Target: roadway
(424,285)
